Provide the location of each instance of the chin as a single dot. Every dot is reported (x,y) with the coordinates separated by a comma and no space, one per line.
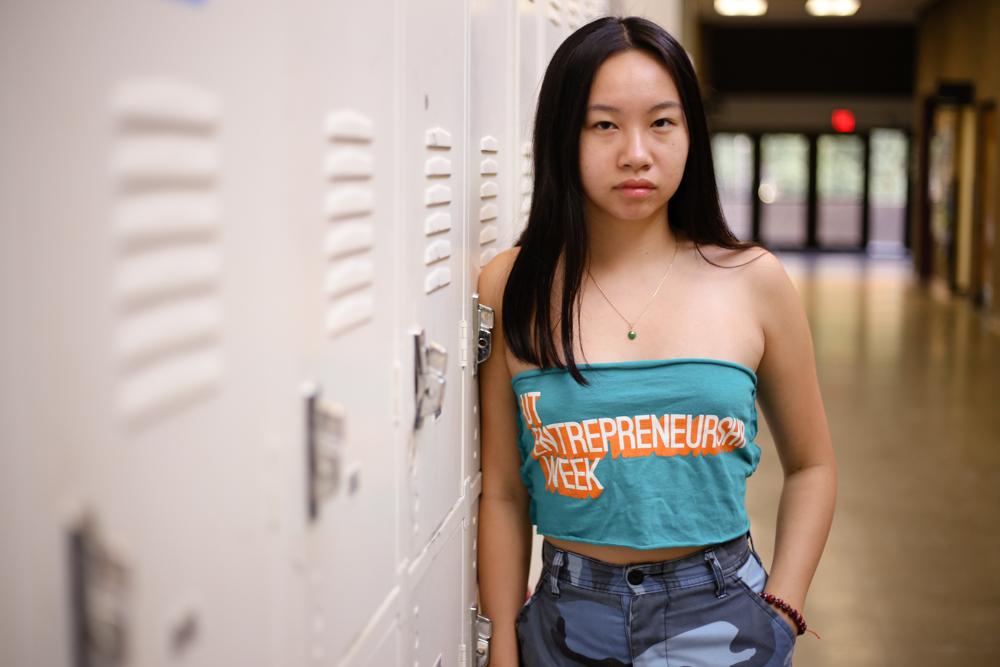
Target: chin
(637,212)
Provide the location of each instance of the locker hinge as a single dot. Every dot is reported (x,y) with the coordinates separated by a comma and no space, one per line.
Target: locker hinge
(324,449)
(463,344)
(430,362)
(483,318)
(99,590)
(482,632)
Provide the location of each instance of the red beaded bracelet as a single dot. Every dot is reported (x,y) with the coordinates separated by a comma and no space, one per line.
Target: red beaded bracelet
(800,622)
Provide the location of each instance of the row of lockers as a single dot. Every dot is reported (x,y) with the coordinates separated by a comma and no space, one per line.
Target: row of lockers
(239,250)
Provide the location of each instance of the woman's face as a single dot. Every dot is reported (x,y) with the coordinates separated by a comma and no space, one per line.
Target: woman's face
(634,140)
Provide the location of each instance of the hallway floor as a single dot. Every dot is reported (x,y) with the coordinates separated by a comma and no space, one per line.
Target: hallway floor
(911,384)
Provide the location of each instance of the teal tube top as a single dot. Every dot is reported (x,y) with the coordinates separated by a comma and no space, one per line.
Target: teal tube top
(653,454)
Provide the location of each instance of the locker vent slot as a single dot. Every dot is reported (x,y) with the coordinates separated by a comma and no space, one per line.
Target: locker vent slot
(555,12)
(349,244)
(488,212)
(488,189)
(437,195)
(438,166)
(166,221)
(488,193)
(438,222)
(437,251)
(489,144)
(488,168)
(347,125)
(487,234)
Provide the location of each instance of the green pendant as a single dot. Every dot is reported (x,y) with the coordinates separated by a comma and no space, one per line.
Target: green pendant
(632,335)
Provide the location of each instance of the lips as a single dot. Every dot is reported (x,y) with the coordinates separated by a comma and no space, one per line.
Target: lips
(635,184)
(635,188)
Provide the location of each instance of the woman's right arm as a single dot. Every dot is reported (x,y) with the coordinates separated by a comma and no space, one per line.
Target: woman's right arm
(504,539)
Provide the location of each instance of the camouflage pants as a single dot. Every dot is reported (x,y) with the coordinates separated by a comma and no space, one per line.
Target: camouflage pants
(697,611)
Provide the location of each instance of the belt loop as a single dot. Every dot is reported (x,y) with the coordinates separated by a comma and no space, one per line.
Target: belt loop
(750,537)
(720,582)
(557,563)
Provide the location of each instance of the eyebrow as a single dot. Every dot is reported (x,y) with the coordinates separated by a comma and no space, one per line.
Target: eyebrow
(655,107)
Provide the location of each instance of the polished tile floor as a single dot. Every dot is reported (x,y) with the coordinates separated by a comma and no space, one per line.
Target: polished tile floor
(911,383)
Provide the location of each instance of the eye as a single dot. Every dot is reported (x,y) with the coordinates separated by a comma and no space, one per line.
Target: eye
(664,121)
(604,125)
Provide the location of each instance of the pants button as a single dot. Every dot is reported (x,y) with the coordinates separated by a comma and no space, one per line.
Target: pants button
(635,577)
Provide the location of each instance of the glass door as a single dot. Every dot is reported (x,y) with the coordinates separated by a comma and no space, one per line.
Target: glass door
(784,189)
(840,174)
(732,155)
(887,163)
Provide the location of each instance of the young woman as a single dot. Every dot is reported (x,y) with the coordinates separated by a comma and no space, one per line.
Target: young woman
(632,462)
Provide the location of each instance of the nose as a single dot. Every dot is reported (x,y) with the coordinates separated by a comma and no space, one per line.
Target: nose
(635,153)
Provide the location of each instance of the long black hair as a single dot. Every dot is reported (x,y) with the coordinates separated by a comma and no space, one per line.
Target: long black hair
(556,222)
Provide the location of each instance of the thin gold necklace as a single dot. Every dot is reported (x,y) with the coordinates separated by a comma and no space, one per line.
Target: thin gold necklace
(631,325)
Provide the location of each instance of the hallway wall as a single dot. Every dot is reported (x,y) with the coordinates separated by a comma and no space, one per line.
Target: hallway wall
(959,41)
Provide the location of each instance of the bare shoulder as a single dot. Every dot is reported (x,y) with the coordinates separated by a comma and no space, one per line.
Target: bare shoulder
(758,277)
(713,256)
(775,300)
(758,266)
(493,277)
(768,281)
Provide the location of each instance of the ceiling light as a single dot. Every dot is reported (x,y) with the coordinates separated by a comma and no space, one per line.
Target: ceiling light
(832,7)
(741,7)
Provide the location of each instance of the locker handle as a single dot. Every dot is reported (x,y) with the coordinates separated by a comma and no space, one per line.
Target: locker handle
(430,362)
(483,316)
(482,631)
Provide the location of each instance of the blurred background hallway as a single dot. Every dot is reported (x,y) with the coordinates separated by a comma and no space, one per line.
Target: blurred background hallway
(911,382)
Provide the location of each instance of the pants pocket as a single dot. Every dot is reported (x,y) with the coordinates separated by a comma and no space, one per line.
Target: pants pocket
(577,626)
(531,600)
(751,578)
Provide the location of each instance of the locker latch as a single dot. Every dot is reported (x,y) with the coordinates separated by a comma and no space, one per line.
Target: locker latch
(99,589)
(482,631)
(324,448)
(430,360)
(483,316)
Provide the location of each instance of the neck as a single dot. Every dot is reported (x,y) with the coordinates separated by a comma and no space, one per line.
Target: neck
(615,243)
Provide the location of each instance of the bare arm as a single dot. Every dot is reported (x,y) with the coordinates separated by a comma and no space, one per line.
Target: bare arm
(788,390)
(504,539)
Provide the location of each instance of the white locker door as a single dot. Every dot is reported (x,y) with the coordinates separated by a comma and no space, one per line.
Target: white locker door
(342,594)
(531,62)
(144,185)
(195,315)
(493,139)
(492,151)
(434,300)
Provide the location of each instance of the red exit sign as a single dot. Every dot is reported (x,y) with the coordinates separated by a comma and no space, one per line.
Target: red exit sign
(842,120)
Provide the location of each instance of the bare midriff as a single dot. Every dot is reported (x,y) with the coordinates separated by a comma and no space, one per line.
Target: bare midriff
(622,555)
